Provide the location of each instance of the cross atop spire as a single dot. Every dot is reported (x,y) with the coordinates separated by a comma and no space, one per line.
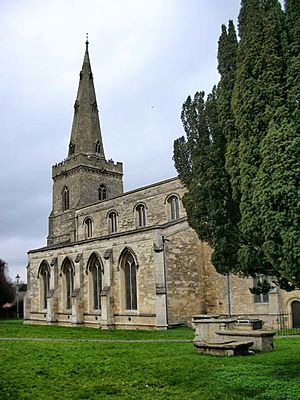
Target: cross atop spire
(86,133)
(87,40)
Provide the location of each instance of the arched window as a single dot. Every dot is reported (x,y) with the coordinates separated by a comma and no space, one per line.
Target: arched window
(173,208)
(112,222)
(129,268)
(102,191)
(88,227)
(68,273)
(44,276)
(65,199)
(141,215)
(258,282)
(95,271)
(97,144)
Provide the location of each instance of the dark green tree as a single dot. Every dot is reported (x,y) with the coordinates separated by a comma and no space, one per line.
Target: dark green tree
(292,16)
(227,50)
(200,161)
(190,157)
(240,158)
(7,292)
(258,96)
(277,193)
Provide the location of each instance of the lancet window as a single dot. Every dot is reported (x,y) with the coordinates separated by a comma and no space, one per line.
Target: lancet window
(173,207)
(130,280)
(112,222)
(68,274)
(88,227)
(95,271)
(140,215)
(44,276)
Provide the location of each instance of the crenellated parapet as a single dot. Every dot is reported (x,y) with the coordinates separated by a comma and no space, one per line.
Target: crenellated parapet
(91,162)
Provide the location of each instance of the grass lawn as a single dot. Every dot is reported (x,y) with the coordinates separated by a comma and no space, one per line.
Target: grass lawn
(16,329)
(95,370)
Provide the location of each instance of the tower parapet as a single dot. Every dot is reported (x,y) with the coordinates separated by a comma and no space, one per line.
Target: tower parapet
(86,160)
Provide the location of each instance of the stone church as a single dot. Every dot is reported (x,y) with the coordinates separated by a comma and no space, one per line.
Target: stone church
(127,259)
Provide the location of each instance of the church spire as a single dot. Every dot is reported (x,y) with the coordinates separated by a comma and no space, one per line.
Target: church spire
(86,133)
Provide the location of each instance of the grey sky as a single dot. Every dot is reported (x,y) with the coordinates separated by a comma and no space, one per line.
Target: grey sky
(147,56)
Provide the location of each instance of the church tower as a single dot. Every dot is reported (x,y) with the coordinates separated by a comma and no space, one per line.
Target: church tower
(85,177)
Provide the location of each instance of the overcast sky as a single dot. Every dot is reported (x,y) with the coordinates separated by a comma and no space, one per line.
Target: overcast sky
(147,56)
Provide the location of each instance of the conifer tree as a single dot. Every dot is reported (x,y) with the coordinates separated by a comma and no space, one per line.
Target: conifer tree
(257,96)
(190,157)
(241,158)
(277,185)
(200,162)
(227,49)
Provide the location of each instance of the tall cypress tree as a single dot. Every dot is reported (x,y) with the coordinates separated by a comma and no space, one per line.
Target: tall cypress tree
(191,161)
(227,52)
(240,160)
(200,162)
(256,98)
(277,185)
(248,108)
(292,12)
(228,146)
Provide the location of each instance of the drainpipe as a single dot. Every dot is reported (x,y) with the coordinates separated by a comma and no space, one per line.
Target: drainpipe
(164,240)
(76,229)
(229,296)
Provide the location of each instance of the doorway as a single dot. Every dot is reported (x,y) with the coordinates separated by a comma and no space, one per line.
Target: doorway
(295,308)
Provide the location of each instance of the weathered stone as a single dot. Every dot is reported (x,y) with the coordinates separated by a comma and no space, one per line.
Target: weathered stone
(262,340)
(223,348)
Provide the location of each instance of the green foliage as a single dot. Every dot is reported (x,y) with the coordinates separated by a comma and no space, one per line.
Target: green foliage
(240,158)
(46,370)
(7,292)
(277,196)
(200,163)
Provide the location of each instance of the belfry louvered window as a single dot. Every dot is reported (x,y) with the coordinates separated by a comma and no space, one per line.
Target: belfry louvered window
(102,192)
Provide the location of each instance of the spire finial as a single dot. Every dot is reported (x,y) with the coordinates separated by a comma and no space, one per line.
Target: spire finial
(87,40)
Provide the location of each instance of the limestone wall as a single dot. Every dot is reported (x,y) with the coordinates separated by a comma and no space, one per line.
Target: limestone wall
(184,259)
(153,197)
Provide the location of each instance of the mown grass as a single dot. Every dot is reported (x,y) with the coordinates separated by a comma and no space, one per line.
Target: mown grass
(93,370)
(17,329)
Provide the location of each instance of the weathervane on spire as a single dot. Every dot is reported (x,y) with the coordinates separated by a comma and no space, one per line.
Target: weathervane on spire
(87,40)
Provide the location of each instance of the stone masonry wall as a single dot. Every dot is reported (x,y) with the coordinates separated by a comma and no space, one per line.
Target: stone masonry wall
(153,197)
